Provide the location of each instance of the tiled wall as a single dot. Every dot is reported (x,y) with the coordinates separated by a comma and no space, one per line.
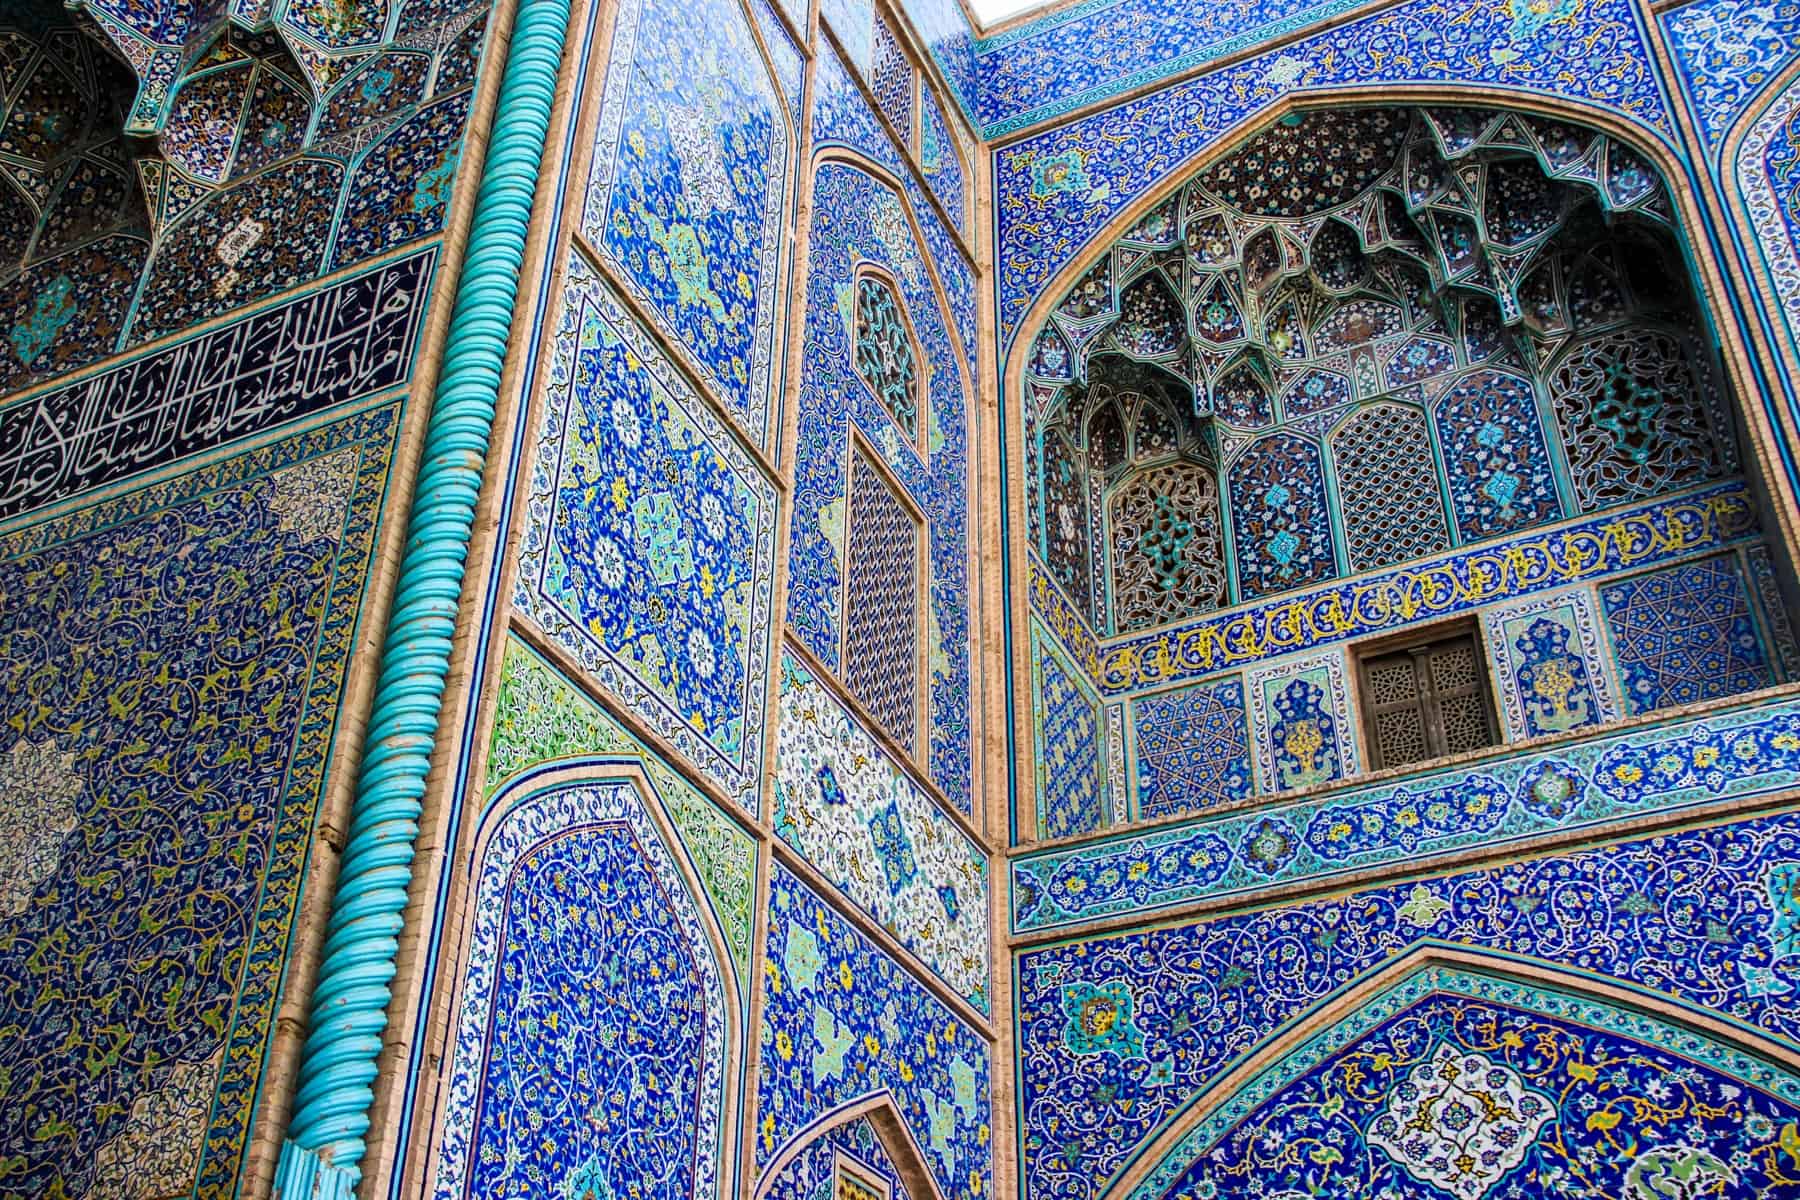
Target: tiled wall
(701,428)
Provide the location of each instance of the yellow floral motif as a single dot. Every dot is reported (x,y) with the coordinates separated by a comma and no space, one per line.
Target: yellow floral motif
(1627,774)
(1705,756)
(846,976)
(1209,644)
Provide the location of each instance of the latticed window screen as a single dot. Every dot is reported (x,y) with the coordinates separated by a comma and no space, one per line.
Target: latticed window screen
(1427,699)
(881,619)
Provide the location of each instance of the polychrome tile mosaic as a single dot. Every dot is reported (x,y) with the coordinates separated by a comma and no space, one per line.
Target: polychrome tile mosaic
(650,541)
(1725,52)
(144,745)
(1635,538)
(591,1033)
(1549,660)
(1192,748)
(1119,1033)
(1684,634)
(841,1021)
(1302,731)
(855,814)
(1068,744)
(1056,189)
(541,720)
(812,1173)
(687,196)
(1473,1084)
(1738,754)
(860,220)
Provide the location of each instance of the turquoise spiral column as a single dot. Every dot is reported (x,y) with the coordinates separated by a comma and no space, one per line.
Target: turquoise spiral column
(322,1154)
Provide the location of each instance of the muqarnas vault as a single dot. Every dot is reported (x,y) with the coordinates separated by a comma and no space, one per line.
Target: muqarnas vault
(747,600)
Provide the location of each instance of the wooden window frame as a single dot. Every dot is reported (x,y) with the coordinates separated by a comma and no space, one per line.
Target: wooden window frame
(1418,643)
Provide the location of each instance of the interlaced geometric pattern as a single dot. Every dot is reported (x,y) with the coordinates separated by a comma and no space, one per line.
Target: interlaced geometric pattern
(1168,560)
(881,594)
(1633,418)
(1193,750)
(1392,505)
(891,78)
(1684,634)
(885,357)
(1389,319)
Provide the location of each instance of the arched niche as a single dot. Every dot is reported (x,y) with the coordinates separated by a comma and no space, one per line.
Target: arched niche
(1404,330)
(594,1046)
(867,1145)
(1455,1073)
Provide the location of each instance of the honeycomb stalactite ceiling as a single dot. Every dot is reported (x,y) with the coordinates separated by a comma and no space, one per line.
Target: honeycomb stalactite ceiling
(1364,336)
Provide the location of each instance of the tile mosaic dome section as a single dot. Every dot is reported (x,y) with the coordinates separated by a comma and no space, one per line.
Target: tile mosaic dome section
(1364,337)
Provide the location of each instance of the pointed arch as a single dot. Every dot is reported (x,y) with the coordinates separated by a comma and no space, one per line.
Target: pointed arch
(1748,1059)
(609,1017)
(895,1137)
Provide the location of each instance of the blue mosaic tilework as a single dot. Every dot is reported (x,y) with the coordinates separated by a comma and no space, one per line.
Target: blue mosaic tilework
(1778,624)
(135,1051)
(1086,53)
(688,191)
(1474,1084)
(1192,748)
(946,33)
(1104,162)
(1767,171)
(858,219)
(1282,517)
(811,1174)
(1066,738)
(265,150)
(853,22)
(1646,535)
(1494,453)
(1549,661)
(1684,634)
(267,234)
(941,162)
(841,1021)
(590,1042)
(790,65)
(855,814)
(402,183)
(1725,52)
(1696,916)
(1302,731)
(1740,754)
(542,721)
(649,542)
(842,117)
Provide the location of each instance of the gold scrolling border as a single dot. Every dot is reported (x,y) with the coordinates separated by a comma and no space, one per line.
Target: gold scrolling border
(1662,531)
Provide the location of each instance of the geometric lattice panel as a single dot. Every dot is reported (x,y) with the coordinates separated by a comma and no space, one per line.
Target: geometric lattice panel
(1193,749)
(649,543)
(1066,722)
(1684,634)
(881,604)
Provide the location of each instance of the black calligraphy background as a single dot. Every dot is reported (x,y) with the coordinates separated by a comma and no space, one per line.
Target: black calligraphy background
(348,341)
